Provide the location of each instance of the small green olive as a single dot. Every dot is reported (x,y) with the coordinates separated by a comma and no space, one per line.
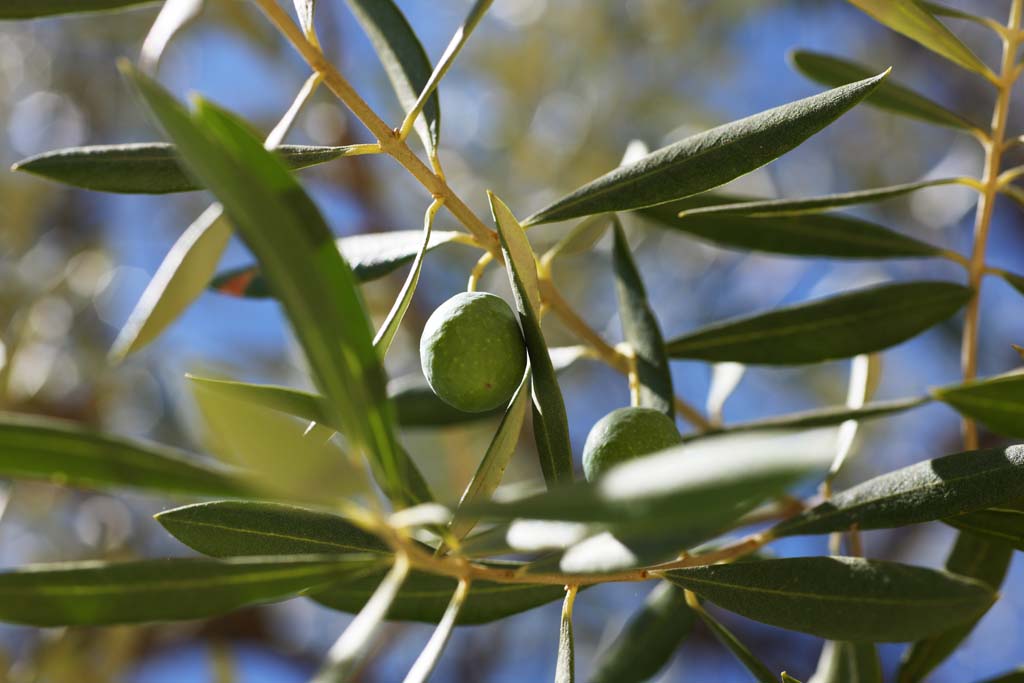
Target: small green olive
(624,434)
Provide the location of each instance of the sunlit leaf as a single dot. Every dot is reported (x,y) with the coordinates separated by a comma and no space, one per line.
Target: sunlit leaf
(862,321)
(143,167)
(305,9)
(28,9)
(404,60)
(830,235)
(93,593)
(281,225)
(371,256)
(973,557)
(879,601)
(707,160)
(65,453)
(425,663)
(997,402)
(648,640)
(565,667)
(922,492)
(242,528)
(173,17)
(911,19)
(640,328)
(845,662)
(890,95)
(550,424)
(183,275)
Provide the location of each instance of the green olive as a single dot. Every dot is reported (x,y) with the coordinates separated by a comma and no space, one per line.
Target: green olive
(625,434)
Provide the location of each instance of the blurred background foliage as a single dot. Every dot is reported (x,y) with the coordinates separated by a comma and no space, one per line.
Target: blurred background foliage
(545,97)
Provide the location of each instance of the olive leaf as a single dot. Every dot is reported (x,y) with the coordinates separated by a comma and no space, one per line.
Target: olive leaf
(404,60)
(173,17)
(97,593)
(550,424)
(144,167)
(742,653)
(880,601)
(30,9)
(862,321)
(648,640)
(1003,523)
(978,558)
(910,18)
(425,663)
(844,662)
(565,667)
(922,492)
(998,402)
(706,160)
(371,256)
(890,95)
(62,452)
(640,328)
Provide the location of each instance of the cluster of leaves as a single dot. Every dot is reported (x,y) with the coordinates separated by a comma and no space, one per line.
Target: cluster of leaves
(294,514)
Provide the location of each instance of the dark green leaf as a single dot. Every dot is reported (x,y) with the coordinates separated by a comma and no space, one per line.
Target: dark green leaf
(66,453)
(640,328)
(976,558)
(404,60)
(1003,523)
(811,205)
(425,597)
(649,639)
(828,235)
(92,593)
(878,601)
(550,424)
(241,528)
(143,167)
(752,664)
(183,275)
(296,250)
(998,402)
(1015,281)
(819,417)
(911,19)
(418,406)
(846,662)
(862,321)
(922,492)
(28,9)
(707,160)
(1015,676)
(891,96)
(371,256)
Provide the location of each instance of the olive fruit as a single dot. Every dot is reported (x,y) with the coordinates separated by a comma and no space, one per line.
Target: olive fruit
(624,434)
(472,352)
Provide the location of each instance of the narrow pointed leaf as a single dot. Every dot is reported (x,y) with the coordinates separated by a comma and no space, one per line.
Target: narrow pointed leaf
(940,10)
(1002,523)
(640,328)
(581,238)
(1015,281)
(819,417)
(550,424)
(425,597)
(565,667)
(862,321)
(371,256)
(354,645)
(846,662)
(294,246)
(922,492)
(742,653)
(796,207)
(997,402)
(492,467)
(404,60)
(725,378)
(243,528)
(95,593)
(304,9)
(143,167)
(830,235)
(911,19)
(879,601)
(890,95)
(418,406)
(707,160)
(978,558)
(30,9)
(62,452)
(183,275)
(173,17)
(649,640)
(1015,676)
(431,654)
